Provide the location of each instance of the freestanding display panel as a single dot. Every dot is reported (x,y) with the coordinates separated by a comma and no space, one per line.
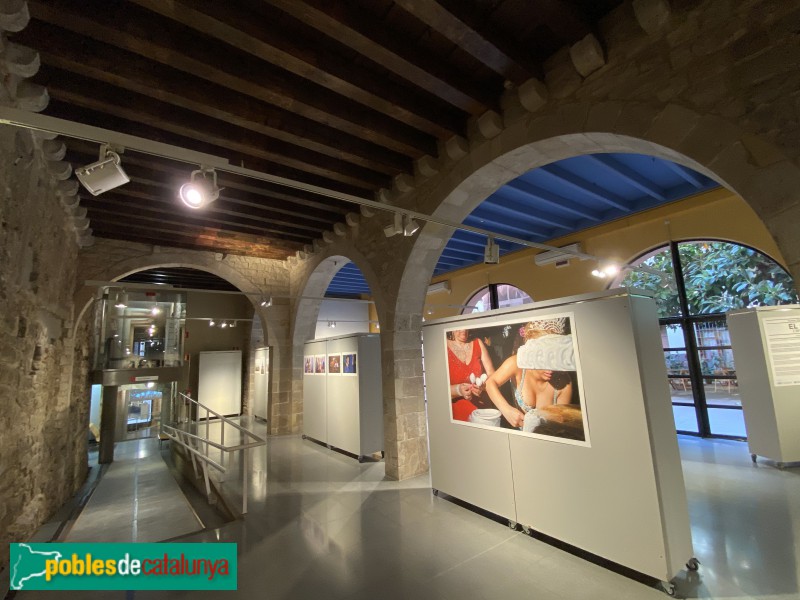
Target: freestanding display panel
(220,381)
(602,471)
(261,375)
(766,348)
(342,395)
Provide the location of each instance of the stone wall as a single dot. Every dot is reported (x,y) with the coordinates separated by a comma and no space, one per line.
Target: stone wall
(44,390)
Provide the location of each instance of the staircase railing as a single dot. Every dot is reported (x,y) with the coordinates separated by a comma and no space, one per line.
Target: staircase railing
(199,447)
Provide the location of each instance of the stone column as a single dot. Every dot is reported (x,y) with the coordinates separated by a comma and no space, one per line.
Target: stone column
(404,420)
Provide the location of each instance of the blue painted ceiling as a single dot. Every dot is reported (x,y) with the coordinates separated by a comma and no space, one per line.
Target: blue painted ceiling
(556,200)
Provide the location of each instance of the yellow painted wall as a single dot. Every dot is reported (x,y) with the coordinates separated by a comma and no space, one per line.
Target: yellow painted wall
(717,214)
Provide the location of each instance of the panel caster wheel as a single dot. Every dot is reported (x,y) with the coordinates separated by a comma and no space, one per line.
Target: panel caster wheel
(781,466)
(304,436)
(525,529)
(383,454)
(435,492)
(754,458)
(693,564)
(361,459)
(512,524)
(668,588)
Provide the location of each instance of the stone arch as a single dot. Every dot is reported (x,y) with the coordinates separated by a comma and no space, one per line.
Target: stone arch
(271,319)
(747,164)
(317,273)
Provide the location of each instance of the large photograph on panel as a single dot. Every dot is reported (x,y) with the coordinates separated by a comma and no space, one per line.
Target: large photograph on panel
(520,376)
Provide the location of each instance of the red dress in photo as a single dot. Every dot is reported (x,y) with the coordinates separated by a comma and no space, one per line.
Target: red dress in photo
(459,373)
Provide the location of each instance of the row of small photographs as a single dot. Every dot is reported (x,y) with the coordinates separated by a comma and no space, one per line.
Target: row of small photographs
(337,364)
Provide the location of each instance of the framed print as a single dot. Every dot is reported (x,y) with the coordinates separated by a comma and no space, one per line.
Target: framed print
(334,364)
(349,364)
(319,364)
(308,364)
(520,376)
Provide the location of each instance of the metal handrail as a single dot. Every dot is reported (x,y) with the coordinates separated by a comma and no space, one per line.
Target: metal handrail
(193,442)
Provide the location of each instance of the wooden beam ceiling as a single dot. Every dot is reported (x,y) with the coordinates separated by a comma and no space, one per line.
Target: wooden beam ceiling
(341,95)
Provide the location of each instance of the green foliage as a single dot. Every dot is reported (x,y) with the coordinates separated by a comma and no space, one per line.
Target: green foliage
(719,277)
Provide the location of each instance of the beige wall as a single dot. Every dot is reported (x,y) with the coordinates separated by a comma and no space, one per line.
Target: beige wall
(717,214)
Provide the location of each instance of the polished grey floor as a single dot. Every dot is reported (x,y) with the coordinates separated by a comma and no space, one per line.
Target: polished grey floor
(321,525)
(137,500)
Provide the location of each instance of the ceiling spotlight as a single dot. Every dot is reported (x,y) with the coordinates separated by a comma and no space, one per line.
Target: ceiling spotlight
(332,324)
(201,190)
(232,324)
(395,227)
(266,302)
(103,175)
(410,226)
(155,311)
(224,325)
(491,254)
(606,270)
(211,323)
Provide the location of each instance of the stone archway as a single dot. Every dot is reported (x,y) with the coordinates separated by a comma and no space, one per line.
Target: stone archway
(310,286)
(748,165)
(238,271)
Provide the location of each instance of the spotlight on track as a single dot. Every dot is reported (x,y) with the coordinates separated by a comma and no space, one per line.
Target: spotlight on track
(103,175)
(395,227)
(201,190)
(266,302)
(491,254)
(410,226)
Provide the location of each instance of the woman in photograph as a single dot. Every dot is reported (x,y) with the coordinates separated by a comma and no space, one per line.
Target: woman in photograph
(534,389)
(466,357)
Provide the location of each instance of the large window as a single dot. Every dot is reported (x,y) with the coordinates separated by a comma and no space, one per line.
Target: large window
(695,284)
(495,295)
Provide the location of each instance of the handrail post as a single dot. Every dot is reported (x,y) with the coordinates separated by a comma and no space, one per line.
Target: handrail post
(245,468)
(222,441)
(208,422)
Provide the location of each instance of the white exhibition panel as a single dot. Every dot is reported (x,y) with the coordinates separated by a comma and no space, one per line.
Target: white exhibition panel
(315,415)
(345,410)
(370,385)
(220,381)
(771,412)
(343,401)
(260,382)
(622,497)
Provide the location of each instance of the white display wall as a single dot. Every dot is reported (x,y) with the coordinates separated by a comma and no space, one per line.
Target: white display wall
(766,348)
(220,381)
(613,486)
(342,395)
(350,317)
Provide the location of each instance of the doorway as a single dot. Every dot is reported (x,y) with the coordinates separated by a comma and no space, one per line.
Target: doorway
(694,284)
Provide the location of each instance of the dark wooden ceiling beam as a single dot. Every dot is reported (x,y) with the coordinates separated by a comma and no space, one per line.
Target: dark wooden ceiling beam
(106,121)
(252,77)
(441,20)
(272,193)
(249,208)
(87,93)
(186,242)
(124,70)
(350,26)
(184,230)
(230,24)
(272,226)
(115,207)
